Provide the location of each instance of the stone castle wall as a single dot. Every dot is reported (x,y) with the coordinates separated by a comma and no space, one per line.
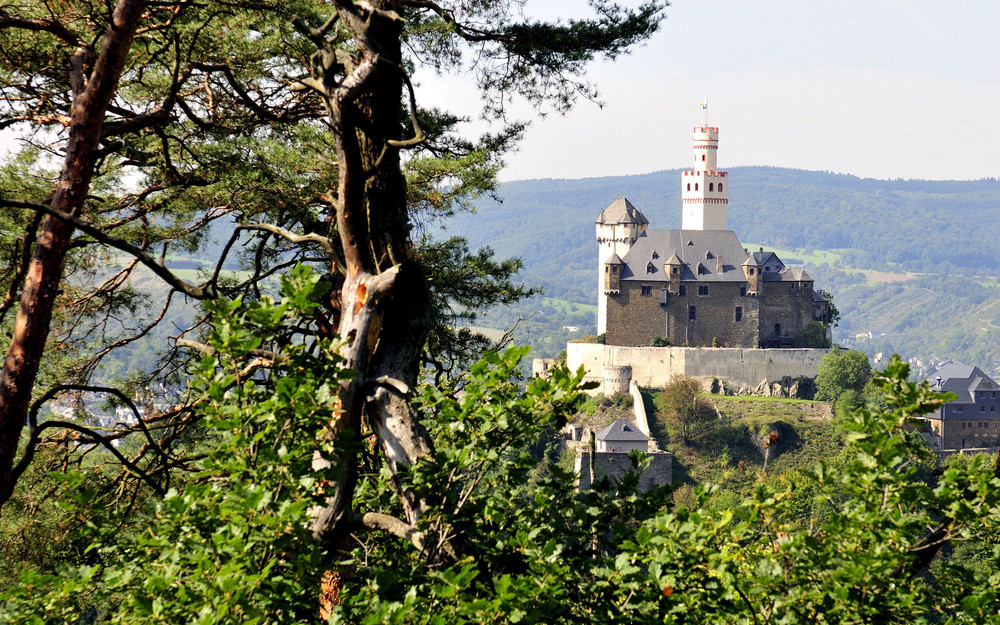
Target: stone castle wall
(614,465)
(617,378)
(635,319)
(639,408)
(653,367)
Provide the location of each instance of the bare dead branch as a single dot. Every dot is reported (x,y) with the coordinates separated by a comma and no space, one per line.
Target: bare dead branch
(195,291)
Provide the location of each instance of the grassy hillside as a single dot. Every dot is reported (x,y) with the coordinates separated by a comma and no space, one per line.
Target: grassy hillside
(725,452)
(716,452)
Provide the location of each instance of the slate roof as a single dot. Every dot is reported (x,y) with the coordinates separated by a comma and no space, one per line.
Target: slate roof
(767,258)
(692,248)
(963,380)
(787,274)
(621,430)
(621,211)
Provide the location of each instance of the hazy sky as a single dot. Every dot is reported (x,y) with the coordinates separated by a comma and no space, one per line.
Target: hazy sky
(875,88)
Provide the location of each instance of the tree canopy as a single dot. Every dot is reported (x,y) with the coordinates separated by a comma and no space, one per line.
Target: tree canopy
(684,410)
(841,371)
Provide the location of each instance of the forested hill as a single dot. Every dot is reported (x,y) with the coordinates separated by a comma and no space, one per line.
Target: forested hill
(933,240)
(914,225)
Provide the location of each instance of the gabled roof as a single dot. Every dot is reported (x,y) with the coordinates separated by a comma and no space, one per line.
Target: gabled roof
(689,248)
(787,274)
(621,430)
(621,211)
(963,380)
(767,258)
(614,260)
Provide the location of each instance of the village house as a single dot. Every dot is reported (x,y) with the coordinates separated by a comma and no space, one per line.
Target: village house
(972,421)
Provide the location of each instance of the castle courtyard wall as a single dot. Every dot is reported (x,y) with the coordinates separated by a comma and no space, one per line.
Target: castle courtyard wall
(653,367)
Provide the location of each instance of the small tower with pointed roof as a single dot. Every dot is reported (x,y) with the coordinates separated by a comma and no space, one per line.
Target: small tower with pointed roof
(618,227)
(674,267)
(704,189)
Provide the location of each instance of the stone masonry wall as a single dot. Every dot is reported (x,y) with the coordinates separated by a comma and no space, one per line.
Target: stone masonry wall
(652,367)
(787,304)
(615,465)
(635,319)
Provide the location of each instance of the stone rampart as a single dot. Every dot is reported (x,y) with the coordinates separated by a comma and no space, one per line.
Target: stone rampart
(652,367)
(640,411)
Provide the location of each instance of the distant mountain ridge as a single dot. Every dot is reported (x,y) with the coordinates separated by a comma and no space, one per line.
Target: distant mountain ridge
(916,225)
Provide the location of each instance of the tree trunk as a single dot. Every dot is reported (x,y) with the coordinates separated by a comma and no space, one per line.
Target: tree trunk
(42,280)
(384,299)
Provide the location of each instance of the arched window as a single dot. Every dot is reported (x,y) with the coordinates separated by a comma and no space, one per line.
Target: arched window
(711,186)
(720,186)
(696,186)
(703,158)
(689,186)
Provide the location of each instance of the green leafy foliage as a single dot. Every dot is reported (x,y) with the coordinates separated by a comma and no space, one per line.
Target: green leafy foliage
(841,371)
(685,412)
(230,544)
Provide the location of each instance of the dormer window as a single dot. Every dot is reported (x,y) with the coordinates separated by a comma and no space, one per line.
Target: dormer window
(655,255)
(709,255)
(650,268)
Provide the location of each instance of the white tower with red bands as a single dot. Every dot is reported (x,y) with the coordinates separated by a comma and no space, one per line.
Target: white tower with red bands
(704,189)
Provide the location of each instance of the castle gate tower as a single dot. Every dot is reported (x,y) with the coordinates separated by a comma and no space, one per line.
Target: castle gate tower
(704,189)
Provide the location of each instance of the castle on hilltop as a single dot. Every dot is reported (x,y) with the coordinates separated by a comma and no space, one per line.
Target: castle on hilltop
(698,286)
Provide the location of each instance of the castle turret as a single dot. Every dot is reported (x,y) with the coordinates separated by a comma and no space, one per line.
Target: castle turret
(675,270)
(704,189)
(618,226)
(612,275)
(752,270)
